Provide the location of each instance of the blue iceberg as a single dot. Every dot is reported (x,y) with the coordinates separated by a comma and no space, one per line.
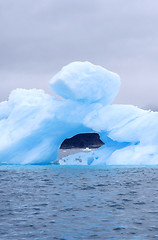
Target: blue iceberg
(33,124)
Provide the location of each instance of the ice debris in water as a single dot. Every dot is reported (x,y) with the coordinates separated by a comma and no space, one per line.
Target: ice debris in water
(33,124)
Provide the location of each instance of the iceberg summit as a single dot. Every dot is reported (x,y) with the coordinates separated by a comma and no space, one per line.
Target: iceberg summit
(34,124)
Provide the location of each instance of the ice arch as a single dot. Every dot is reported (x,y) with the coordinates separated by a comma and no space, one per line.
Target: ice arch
(33,124)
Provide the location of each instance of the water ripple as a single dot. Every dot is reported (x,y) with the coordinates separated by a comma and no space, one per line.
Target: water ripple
(54,202)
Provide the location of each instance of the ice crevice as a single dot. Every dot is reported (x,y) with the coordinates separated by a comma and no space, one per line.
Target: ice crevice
(33,124)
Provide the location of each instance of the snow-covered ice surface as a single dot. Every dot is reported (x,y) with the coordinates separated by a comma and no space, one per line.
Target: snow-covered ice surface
(33,124)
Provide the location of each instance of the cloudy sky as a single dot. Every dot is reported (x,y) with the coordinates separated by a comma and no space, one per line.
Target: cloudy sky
(38,37)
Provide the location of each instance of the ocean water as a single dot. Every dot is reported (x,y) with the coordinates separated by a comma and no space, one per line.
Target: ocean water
(68,202)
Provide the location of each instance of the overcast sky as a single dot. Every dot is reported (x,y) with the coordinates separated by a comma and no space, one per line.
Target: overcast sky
(39,37)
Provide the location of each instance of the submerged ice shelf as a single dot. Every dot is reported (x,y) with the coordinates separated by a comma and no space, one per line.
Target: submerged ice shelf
(33,124)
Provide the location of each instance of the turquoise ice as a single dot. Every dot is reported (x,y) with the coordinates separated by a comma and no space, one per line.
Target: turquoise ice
(33,124)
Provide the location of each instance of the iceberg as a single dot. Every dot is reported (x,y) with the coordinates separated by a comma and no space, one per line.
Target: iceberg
(34,124)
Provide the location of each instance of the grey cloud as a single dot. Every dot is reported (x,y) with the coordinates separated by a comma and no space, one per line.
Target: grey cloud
(39,37)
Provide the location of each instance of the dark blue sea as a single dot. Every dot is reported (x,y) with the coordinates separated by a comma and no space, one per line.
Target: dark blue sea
(84,202)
